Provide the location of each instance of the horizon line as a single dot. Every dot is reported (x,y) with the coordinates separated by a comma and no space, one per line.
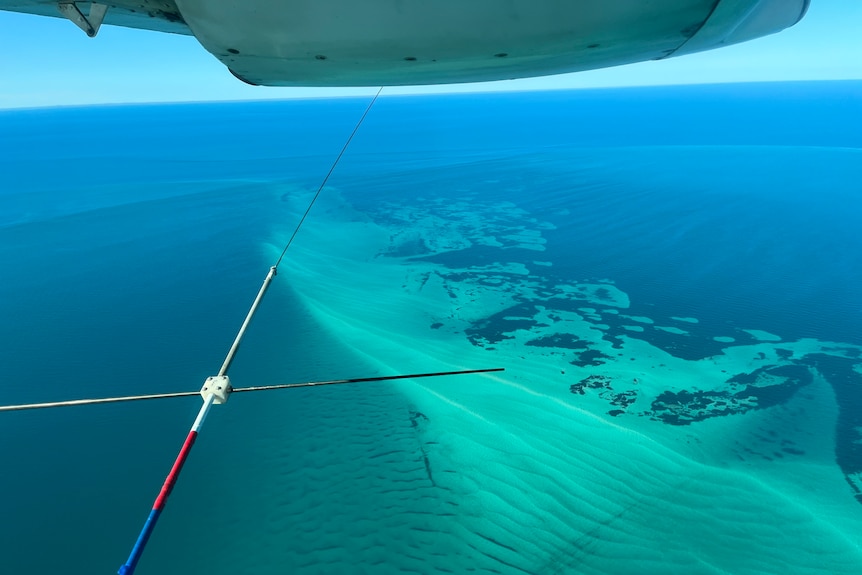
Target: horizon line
(454,91)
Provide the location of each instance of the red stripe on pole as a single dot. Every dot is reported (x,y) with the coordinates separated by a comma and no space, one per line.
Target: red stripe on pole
(175,471)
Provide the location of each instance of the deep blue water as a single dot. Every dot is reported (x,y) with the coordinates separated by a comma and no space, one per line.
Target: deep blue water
(132,240)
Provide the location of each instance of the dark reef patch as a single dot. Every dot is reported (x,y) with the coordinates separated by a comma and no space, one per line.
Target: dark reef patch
(495,328)
(624,399)
(604,294)
(603,384)
(590,358)
(759,392)
(696,343)
(561,340)
(748,378)
(591,382)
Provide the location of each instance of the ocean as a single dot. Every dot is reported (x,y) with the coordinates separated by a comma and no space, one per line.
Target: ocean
(670,277)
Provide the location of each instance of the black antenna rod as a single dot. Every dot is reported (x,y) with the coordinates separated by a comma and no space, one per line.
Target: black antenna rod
(73,402)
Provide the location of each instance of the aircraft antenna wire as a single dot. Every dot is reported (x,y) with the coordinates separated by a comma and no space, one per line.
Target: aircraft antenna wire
(274,269)
(326,178)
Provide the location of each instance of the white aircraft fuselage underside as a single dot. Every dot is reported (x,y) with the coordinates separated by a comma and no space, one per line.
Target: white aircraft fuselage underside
(405,42)
(396,42)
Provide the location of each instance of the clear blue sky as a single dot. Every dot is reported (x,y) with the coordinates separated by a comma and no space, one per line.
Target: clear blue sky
(50,62)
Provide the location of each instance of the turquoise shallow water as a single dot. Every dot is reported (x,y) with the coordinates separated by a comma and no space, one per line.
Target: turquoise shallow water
(668,275)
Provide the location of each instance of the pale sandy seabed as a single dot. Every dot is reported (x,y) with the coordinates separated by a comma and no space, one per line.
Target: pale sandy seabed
(549,467)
